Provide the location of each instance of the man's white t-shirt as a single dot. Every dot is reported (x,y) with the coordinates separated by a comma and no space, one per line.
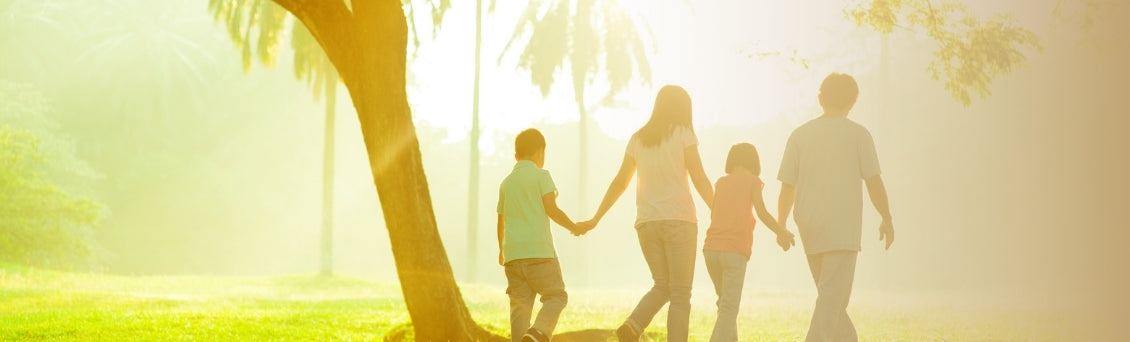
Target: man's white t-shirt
(663,190)
(827,159)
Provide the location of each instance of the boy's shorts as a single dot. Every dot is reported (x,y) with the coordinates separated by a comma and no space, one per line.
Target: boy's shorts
(527,277)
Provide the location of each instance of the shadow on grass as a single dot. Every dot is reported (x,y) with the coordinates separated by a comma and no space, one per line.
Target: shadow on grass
(586,335)
(600,335)
(400,333)
(403,333)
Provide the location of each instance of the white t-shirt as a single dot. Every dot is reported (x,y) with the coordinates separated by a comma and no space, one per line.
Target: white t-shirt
(827,159)
(663,191)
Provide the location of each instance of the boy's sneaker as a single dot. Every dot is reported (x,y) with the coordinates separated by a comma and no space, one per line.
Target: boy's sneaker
(627,333)
(533,335)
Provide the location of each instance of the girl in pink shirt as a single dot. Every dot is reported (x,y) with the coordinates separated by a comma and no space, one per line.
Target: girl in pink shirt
(730,236)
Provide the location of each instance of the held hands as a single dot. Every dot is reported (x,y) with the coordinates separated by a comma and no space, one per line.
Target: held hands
(583,227)
(786,240)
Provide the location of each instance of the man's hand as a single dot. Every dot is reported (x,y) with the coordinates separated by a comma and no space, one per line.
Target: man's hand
(887,232)
(878,193)
(786,240)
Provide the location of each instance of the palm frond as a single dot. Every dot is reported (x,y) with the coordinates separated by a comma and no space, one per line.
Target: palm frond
(310,62)
(528,19)
(593,36)
(188,63)
(585,52)
(272,18)
(436,11)
(193,46)
(105,45)
(625,53)
(248,20)
(548,47)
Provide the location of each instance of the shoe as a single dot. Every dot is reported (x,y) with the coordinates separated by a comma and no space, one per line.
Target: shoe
(627,333)
(533,335)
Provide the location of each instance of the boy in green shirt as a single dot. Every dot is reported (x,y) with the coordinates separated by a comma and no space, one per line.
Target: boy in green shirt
(527,200)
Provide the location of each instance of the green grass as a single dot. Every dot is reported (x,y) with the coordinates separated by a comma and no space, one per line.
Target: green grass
(46,305)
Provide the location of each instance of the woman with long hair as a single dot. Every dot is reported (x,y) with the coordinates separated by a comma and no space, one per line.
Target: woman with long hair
(664,152)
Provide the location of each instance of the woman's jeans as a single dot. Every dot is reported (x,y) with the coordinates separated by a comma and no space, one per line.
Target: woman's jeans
(669,249)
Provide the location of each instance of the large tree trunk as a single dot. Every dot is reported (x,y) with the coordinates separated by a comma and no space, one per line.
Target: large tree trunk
(368,47)
(430,292)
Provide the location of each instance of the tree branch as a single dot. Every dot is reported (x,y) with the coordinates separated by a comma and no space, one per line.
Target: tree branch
(933,15)
(382,20)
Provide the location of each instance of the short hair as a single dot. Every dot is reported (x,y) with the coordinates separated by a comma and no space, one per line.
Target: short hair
(528,143)
(743,155)
(839,91)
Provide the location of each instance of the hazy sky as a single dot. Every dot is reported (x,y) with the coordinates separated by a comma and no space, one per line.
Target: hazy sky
(984,196)
(1025,190)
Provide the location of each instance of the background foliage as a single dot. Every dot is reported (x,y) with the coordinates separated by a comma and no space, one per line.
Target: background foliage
(44,219)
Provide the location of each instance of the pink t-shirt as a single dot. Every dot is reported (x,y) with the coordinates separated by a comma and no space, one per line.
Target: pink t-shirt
(663,190)
(731,221)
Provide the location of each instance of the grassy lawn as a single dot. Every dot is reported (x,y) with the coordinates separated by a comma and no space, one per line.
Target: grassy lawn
(46,305)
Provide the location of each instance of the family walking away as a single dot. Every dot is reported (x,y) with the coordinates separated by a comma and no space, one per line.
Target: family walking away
(824,163)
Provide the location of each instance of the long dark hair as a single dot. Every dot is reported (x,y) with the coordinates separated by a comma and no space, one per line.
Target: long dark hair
(672,109)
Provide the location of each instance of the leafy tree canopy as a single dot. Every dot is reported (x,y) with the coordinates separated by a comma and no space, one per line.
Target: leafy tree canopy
(41,224)
(256,27)
(972,50)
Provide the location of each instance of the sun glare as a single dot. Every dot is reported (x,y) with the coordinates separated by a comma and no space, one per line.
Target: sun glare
(744,64)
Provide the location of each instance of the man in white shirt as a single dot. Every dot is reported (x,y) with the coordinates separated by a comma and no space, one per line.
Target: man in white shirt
(824,161)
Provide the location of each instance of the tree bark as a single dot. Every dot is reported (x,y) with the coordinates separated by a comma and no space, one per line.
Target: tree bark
(368,46)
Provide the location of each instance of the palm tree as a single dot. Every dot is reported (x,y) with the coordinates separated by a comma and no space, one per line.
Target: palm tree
(126,34)
(367,41)
(473,184)
(148,61)
(312,65)
(593,37)
(24,22)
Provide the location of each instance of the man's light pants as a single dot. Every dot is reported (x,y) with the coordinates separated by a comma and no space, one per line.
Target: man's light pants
(834,273)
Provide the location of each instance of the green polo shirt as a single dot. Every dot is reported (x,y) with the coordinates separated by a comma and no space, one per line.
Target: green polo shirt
(526,226)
